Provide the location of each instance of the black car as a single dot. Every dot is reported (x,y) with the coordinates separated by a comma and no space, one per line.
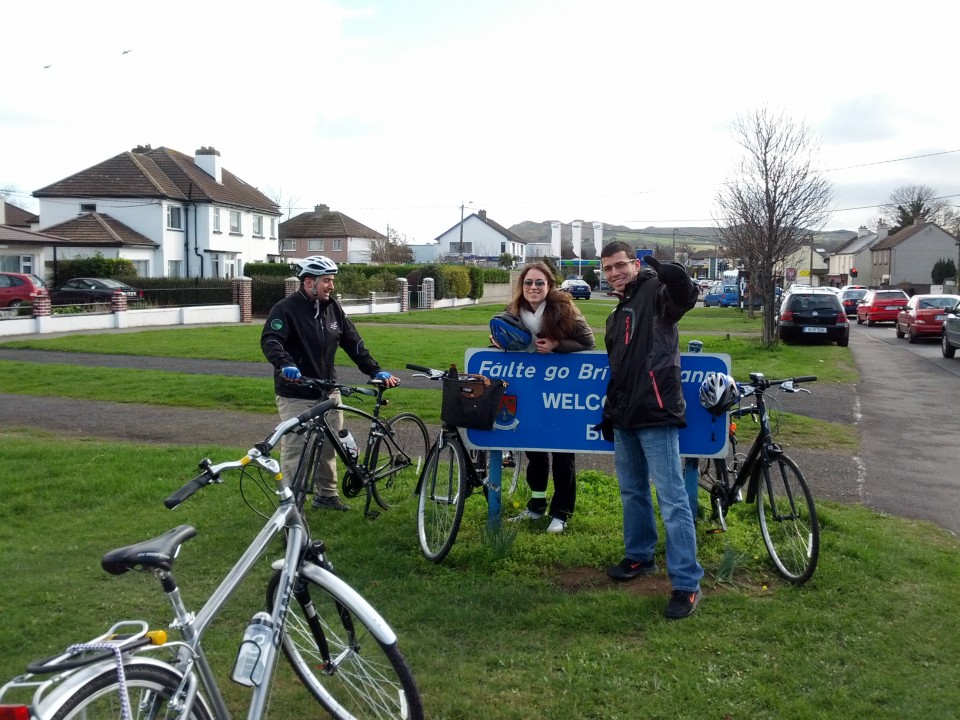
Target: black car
(851,297)
(813,315)
(92,290)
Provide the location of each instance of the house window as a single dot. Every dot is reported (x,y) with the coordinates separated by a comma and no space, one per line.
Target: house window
(174,217)
(258,225)
(142,267)
(215,265)
(273,227)
(288,245)
(337,245)
(88,207)
(174,268)
(315,245)
(464,248)
(216,220)
(26,264)
(235,226)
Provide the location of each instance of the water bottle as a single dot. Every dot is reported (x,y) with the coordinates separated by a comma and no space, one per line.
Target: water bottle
(251,658)
(346,439)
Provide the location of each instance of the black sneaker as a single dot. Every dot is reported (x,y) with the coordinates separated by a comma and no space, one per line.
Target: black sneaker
(329,502)
(628,569)
(682,604)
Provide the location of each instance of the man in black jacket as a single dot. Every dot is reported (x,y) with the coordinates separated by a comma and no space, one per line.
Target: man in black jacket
(645,411)
(301,336)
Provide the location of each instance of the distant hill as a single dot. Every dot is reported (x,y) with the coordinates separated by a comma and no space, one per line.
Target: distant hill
(698,238)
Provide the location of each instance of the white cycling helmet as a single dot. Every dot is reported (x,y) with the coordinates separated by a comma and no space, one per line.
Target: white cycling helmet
(718,393)
(315,266)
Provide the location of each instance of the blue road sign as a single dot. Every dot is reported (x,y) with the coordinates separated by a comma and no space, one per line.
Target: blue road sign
(553,401)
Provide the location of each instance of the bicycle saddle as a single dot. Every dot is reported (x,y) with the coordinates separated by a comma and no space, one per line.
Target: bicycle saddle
(155,554)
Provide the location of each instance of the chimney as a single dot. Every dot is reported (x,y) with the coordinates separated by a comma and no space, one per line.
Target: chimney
(919,220)
(577,238)
(321,209)
(598,237)
(861,231)
(208,160)
(555,239)
(141,149)
(482,215)
(3,211)
(881,230)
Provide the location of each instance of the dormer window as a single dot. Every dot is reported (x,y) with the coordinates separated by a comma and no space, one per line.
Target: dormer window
(88,207)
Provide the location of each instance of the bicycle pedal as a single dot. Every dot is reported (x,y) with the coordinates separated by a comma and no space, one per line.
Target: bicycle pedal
(715,531)
(372,514)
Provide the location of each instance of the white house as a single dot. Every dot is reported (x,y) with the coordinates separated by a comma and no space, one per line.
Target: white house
(22,249)
(168,213)
(483,240)
(855,255)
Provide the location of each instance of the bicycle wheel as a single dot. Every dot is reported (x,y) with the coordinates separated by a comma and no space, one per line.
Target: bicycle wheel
(512,468)
(396,463)
(788,520)
(340,662)
(443,491)
(302,483)
(149,688)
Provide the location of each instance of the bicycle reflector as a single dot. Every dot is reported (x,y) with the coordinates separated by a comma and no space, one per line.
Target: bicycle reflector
(14,712)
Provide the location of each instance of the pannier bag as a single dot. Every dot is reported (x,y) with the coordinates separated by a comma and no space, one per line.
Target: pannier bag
(471,401)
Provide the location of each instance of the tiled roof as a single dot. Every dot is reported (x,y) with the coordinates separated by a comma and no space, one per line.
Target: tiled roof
(326,224)
(905,234)
(19,236)
(509,234)
(99,230)
(17,216)
(158,173)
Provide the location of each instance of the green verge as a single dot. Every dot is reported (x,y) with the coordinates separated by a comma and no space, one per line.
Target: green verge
(537,633)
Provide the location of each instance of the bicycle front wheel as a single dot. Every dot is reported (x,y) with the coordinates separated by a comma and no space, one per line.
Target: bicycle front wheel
(337,658)
(148,689)
(443,492)
(396,462)
(788,520)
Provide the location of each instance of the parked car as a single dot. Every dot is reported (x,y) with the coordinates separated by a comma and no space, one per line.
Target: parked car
(578,289)
(851,296)
(924,315)
(950,339)
(812,315)
(721,296)
(881,306)
(19,288)
(92,290)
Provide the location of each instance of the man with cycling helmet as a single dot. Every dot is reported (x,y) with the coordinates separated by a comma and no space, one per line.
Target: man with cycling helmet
(643,414)
(301,337)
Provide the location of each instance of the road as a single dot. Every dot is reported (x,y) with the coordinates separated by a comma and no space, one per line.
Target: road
(909,397)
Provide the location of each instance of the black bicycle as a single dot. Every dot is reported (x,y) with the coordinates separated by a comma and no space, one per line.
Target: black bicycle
(788,516)
(393,456)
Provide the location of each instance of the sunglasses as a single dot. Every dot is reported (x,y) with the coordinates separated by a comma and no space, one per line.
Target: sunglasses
(538,283)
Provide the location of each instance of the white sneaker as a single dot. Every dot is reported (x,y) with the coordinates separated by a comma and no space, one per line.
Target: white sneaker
(556,526)
(526,515)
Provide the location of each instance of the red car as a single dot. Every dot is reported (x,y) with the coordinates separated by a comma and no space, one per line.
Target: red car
(880,306)
(924,315)
(17,288)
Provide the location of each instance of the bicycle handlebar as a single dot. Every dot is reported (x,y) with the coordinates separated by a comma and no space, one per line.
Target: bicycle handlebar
(260,455)
(347,390)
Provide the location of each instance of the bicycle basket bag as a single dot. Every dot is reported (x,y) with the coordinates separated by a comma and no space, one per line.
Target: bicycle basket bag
(471,401)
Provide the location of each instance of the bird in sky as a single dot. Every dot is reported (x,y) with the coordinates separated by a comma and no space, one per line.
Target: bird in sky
(125,52)
(47,66)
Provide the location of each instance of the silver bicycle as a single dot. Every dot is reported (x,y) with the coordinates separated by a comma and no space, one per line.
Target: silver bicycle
(340,648)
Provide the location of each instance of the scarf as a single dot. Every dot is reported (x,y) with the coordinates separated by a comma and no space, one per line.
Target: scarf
(533,321)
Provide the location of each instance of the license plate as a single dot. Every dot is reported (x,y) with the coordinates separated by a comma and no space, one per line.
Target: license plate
(940,318)
(893,307)
(815,330)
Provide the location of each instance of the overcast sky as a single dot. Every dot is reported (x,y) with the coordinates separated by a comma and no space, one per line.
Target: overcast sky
(396,112)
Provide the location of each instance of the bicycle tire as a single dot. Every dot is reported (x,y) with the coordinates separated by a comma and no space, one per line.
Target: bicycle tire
(788,520)
(149,687)
(515,471)
(365,678)
(443,492)
(396,463)
(302,484)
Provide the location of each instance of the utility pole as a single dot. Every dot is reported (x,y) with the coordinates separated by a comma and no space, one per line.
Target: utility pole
(463,260)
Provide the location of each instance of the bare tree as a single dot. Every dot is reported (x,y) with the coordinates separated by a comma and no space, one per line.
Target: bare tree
(391,249)
(909,203)
(776,199)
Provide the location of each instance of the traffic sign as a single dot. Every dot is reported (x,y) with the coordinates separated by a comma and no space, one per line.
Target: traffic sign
(553,401)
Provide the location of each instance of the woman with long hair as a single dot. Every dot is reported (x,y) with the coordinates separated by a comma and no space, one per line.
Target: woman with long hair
(556,325)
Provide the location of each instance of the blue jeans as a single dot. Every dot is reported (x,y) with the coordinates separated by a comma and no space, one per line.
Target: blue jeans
(642,455)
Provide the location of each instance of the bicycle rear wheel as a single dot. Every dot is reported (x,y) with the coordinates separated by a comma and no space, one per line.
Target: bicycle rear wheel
(396,462)
(337,658)
(149,689)
(788,520)
(443,491)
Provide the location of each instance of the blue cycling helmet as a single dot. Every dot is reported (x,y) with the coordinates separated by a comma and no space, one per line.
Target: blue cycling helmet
(508,331)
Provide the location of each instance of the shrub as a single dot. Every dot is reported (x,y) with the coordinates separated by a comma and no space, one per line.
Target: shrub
(274,269)
(477,277)
(457,280)
(97,267)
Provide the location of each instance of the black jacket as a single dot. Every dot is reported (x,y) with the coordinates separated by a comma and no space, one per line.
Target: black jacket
(307,333)
(643,347)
